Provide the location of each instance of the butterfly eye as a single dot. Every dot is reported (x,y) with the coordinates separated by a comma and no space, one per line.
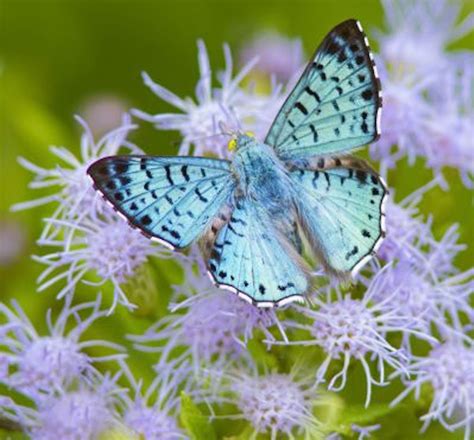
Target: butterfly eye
(232,145)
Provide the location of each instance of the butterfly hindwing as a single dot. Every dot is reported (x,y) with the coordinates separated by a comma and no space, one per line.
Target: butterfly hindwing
(170,199)
(342,213)
(251,258)
(336,104)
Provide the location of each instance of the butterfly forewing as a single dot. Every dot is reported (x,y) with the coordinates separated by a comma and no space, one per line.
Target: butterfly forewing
(172,199)
(335,105)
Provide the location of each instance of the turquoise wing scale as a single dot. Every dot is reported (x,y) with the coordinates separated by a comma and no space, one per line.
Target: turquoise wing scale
(251,258)
(335,106)
(342,212)
(170,199)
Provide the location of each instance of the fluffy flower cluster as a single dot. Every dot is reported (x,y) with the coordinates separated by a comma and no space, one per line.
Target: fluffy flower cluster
(70,397)
(37,365)
(275,403)
(210,325)
(86,237)
(410,302)
(428,92)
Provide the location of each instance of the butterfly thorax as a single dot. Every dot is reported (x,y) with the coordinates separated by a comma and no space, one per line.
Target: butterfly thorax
(261,175)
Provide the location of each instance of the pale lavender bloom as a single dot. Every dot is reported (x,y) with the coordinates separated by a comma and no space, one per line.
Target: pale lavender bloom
(83,414)
(415,68)
(405,230)
(209,327)
(277,55)
(213,331)
(419,32)
(197,286)
(278,404)
(405,111)
(418,300)
(409,238)
(448,369)
(75,195)
(228,106)
(151,414)
(105,245)
(450,126)
(347,329)
(210,324)
(39,365)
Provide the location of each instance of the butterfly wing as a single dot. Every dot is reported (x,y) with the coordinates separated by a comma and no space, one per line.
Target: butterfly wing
(252,259)
(336,104)
(170,199)
(342,212)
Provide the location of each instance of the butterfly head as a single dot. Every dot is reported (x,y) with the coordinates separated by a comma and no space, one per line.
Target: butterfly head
(239,140)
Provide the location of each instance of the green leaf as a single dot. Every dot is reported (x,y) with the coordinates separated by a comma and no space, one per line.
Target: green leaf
(195,422)
(339,417)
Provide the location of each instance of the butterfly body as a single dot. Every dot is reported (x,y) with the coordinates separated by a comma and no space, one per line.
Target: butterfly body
(261,175)
(252,214)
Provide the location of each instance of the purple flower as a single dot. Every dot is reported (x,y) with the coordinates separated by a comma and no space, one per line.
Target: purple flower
(346,329)
(275,403)
(229,106)
(418,33)
(40,365)
(277,55)
(85,412)
(208,326)
(213,330)
(427,90)
(82,414)
(410,240)
(404,114)
(450,127)
(104,245)
(151,414)
(418,301)
(448,369)
(76,197)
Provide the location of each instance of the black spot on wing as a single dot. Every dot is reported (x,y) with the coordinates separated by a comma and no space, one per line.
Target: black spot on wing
(146,220)
(184,172)
(312,93)
(367,94)
(352,253)
(301,108)
(168,174)
(200,196)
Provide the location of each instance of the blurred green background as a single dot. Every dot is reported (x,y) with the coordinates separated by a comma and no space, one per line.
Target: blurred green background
(57,57)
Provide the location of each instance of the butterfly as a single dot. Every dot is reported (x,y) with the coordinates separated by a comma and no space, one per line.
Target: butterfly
(251,215)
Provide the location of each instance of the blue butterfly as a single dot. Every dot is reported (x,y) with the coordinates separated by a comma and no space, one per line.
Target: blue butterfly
(251,214)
